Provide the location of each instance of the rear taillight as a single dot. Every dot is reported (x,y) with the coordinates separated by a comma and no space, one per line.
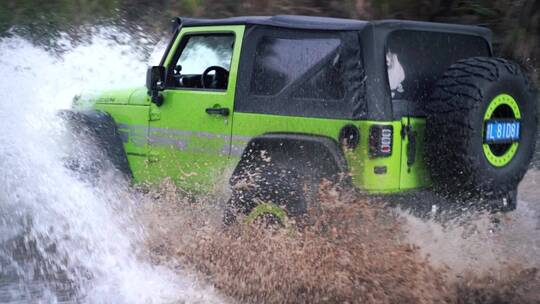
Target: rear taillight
(380,140)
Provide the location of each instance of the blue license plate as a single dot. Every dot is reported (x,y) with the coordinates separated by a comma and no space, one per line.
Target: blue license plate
(502,131)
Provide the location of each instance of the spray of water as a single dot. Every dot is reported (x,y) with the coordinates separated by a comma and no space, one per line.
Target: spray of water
(353,250)
(484,241)
(63,239)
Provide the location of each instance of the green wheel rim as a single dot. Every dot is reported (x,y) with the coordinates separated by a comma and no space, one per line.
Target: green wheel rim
(507,101)
(267,208)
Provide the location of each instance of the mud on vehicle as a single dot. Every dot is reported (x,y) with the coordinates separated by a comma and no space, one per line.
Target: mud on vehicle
(389,107)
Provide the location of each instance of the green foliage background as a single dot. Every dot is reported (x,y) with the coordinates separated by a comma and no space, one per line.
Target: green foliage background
(516,24)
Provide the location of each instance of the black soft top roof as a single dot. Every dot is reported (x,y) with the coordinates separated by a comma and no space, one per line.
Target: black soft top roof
(326,23)
(285,21)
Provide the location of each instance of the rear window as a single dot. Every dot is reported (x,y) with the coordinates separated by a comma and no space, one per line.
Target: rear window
(415,60)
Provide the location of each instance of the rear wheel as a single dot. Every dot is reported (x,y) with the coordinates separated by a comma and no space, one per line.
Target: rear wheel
(268,215)
(274,189)
(481,128)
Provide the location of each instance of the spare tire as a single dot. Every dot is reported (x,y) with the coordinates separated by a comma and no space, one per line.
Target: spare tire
(462,158)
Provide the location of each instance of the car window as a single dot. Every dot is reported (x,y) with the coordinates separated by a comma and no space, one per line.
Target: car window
(325,84)
(416,59)
(301,73)
(209,52)
(280,62)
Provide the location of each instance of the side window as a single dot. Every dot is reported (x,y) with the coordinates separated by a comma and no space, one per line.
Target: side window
(313,66)
(325,84)
(302,73)
(204,62)
(415,60)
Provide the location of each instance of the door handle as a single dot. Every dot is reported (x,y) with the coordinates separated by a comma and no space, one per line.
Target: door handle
(218,111)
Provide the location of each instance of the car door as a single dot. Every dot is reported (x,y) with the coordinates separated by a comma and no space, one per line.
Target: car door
(190,133)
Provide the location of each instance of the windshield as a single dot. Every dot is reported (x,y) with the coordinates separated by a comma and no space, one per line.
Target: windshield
(205,51)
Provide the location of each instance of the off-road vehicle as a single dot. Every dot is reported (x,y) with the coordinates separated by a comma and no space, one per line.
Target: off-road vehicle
(286,101)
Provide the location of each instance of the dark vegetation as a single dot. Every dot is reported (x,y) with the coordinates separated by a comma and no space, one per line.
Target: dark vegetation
(516,24)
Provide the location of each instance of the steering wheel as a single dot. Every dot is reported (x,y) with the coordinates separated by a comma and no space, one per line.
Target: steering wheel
(219,80)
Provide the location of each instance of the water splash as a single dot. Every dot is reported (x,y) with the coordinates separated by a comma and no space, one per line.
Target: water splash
(484,243)
(61,239)
(353,249)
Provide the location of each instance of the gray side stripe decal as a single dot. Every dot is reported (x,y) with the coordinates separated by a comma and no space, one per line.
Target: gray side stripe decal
(187,133)
(237,150)
(135,128)
(244,139)
(168,137)
(124,136)
(179,144)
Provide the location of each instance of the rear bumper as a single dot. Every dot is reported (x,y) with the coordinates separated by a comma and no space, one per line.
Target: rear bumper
(426,203)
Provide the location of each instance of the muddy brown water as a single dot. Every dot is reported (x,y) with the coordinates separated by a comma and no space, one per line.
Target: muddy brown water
(352,250)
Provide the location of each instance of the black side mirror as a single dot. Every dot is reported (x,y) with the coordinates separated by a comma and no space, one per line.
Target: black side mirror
(177,70)
(155,82)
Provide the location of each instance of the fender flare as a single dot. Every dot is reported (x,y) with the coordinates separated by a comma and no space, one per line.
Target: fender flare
(321,153)
(103,129)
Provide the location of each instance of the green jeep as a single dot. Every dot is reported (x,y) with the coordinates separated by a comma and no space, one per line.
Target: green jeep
(287,101)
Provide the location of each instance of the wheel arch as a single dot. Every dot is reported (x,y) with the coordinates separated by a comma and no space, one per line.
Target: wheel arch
(103,129)
(320,153)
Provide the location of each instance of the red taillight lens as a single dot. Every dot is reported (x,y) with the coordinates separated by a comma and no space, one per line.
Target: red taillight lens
(380,140)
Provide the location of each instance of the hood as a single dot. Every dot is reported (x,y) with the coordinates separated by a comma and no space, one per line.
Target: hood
(134,96)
